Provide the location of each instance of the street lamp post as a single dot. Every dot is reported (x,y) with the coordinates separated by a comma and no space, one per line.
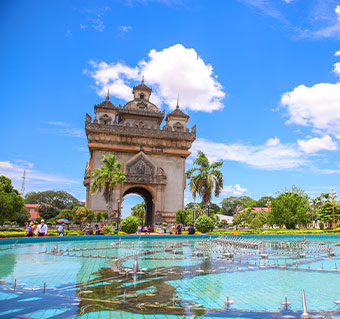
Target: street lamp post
(333,196)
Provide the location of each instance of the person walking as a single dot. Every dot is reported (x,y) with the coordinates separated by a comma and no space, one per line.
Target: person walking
(41,230)
(61,230)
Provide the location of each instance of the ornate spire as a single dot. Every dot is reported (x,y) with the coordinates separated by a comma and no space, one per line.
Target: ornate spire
(177,106)
(108,95)
(143,79)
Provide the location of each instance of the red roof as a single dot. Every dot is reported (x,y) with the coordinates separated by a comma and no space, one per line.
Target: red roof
(259,209)
(32,206)
(34,215)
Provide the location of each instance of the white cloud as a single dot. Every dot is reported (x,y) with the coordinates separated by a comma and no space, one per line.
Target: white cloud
(15,172)
(337,53)
(273,141)
(235,190)
(317,144)
(317,106)
(5,165)
(68,33)
(336,69)
(269,156)
(171,72)
(125,28)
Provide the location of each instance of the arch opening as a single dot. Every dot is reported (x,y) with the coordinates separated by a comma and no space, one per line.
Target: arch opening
(149,207)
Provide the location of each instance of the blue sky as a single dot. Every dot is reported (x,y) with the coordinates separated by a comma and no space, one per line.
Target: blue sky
(259,78)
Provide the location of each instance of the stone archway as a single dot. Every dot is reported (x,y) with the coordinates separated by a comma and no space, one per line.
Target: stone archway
(147,196)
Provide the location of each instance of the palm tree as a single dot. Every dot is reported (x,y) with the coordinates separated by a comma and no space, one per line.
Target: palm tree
(205,179)
(139,211)
(105,178)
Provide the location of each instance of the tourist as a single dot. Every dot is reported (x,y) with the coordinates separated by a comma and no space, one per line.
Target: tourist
(179,229)
(33,226)
(139,229)
(28,230)
(145,229)
(191,230)
(174,229)
(98,230)
(61,230)
(41,229)
(88,231)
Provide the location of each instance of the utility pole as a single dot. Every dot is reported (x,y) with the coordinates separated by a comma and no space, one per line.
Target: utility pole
(22,192)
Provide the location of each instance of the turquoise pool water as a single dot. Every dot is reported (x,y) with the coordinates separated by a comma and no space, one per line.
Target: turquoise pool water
(177,277)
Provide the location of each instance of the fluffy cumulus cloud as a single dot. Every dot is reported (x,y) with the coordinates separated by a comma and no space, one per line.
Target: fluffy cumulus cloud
(317,106)
(235,190)
(317,144)
(337,53)
(171,72)
(272,155)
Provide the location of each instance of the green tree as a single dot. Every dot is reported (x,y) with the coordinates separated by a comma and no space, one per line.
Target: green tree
(233,204)
(11,202)
(57,199)
(129,224)
(205,179)
(291,208)
(106,178)
(181,217)
(262,202)
(47,211)
(256,223)
(98,217)
(79,216)
(250,203)
(204,224)
(65,213)
(90,216)
(139,211)
(325,213)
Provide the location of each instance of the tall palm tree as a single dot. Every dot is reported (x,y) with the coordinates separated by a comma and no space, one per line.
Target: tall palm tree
(139,211)
(105,178)
(205,179)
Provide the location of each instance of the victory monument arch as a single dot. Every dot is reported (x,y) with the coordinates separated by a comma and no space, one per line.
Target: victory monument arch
(153,157)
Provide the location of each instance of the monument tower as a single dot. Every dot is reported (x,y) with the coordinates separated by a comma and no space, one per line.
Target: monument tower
(153,157)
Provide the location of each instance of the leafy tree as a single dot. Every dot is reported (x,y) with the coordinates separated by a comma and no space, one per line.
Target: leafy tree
(65,213)
(256,223)
(106,178)
(230,205)
(205,179)
(21,217)
(47,211)
(90,216)
(98,217)
(291,208)
(129,224)
(204,224)
(250,203)
(139,211)
(262,202)
(10,201)
(58,199)
(79,216)
(181,216)
(326,212)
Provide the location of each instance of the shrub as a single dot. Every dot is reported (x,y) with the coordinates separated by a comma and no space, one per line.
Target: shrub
(256,223)
(321,225)
(204,224)
(129,224)
(107,230)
